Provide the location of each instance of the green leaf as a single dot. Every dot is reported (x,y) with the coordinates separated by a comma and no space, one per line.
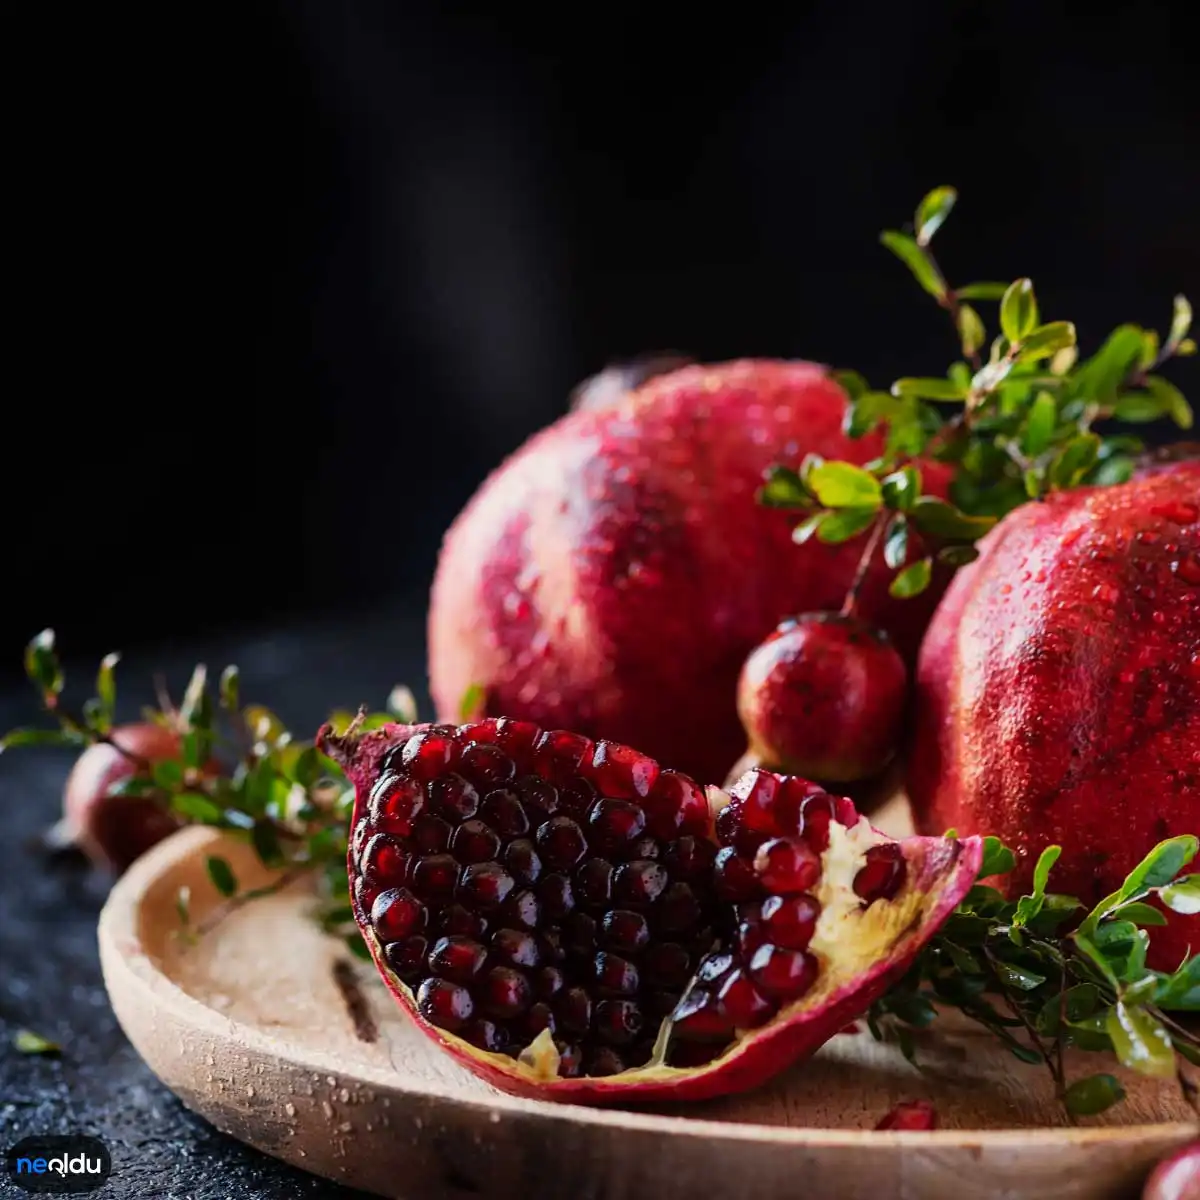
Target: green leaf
(25,1041)
(472,703)
(1180,991)
(42,665)
(981,291)
(134,785)
(1090,951)
(1074,460)
(266,843)
(957,556)
(106,683)
(1056,910)
(227,688)
(901,488)
(1099,377)
(1182,897)
(843,485)
(934,208)
(936,517)
(1043,867)
(1160,866)
(40,737)
(1174,405)
(1018,977)
(807,528)
(1181,323)
(1046,341)
(197,807)
(913,580)
(841,526)
(1090,1034)
(221,874)
(1140,1041)
(930,389)
(267,730)
(895,542)
(924,270)
(1074,1004)
(1141,914)
(998,859)
(1149,355)
(851,382)
(865,412)
(168,773)
(195,709)
(1095,1094)
(782,489)
(971,331)
(1018,310)
(1138,408)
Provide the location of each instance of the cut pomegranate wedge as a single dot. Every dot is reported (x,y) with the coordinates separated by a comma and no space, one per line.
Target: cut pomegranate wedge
(574,922)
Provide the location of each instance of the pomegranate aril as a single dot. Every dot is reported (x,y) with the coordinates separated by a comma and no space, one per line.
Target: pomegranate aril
(431,834)
(916,1115)
(789,805)
(458,959)
(612,824)
(561,843)
(516,738)
(615,976)
(667,964)
(521,910)
(539,1017)
(454,798)
(574,1011)
(395,804)
(639,882)
(750,935)
(504,992)
(784,973)
(474,842)
(486,766)
(644,847)
(384,861)
(515,948)
(458,921)
(816,812)
(754,794)
(446,1005)
(735,877)
(485,885)
(523,862)
(486,1035)
(742,1003)
(538,798)
(618,1021)
(593,882)
(502,810)
(625,931)
(557,754)
(556,896)
(690,858)
(678,910)
(548,982)
(622,771)
(396,913)
(698,1017)
(789,921)
(714,967)
(676,805)
(787,866)
(576,798)
(428,754)
(570,1060)
(604,1061)
(407,958)
(550,944)
(435,876)
(882,876)
(580,933)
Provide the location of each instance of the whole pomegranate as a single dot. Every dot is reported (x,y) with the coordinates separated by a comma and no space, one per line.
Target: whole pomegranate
(614,574)
(113,830)
(824,697)
(572,921)
(1058,688)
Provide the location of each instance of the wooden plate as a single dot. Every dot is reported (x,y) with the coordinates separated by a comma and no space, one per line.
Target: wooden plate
(265,1027)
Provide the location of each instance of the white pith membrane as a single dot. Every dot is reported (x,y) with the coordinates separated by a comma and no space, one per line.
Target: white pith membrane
(849,938)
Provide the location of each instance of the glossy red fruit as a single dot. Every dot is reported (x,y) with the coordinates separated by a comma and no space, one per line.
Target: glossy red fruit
(1059,687)
(910,1115)
(113,830)
(614,574)
(824,697)
(545,936)
(1176,1177)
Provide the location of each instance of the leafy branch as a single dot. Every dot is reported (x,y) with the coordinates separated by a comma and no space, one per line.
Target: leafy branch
(1043,980)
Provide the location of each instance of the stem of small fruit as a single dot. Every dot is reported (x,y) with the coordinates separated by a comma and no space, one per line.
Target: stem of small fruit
(850,603)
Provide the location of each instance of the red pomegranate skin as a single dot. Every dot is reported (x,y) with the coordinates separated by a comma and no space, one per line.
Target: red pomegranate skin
(1176,1177)
(1058,688)
(612,576)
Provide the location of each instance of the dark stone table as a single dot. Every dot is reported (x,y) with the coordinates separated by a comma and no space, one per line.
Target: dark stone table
(49,966)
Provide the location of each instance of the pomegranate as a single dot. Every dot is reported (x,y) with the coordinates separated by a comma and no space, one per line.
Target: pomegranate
(614,574)
(1058,689)
(1176,1177)
(824,697)
(113,830)
(617,380)
(910,1115)
(571,920)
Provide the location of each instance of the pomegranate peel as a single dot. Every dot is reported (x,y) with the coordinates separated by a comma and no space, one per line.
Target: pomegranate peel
(563,917)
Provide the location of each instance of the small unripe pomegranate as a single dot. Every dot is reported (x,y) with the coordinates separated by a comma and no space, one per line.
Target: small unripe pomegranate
(823,697)
(113,830)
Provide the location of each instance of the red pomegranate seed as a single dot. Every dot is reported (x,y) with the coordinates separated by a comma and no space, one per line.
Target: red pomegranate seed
(561,843)
(699,1018)
(623,772)
(789,804)
(570,1060)
(690,858)
(502,810)
(639,882)
(407,958)
(575,799)
(457,921)
(789,921)
(396,913)
(548,982)
(474,842)
(539,798)
(457,958)
(485,885)
(593,882)
(644,847)
(486,1036)
(882,875)
(815,814)
(619,1021)
(754,793)
(604,1061)
(516,948)
(735,877)
(750,935)
(679,909)
(580,933)
(615,976)
(742,1003)
(435,876)
(558,754)
(614,823)
(522,862)
(384,861)
(454,798)
(574,1011)
(787,866)
(486,766)
(714,967)
(447,1005)
(431,834)
(504,992)
(667,965)
(556,896)
(676,805)
(539,1017)
(521,910)
(427,755)
(784,973)
(625,931)
(516,737)
(395,804)
(912,1115)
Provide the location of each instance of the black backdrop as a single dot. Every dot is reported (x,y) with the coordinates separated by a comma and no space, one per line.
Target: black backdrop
(290,278)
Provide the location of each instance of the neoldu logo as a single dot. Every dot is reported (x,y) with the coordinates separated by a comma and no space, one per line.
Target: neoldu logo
(59,1166)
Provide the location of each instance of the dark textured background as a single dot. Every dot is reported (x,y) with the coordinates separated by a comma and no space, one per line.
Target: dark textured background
(291,277)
